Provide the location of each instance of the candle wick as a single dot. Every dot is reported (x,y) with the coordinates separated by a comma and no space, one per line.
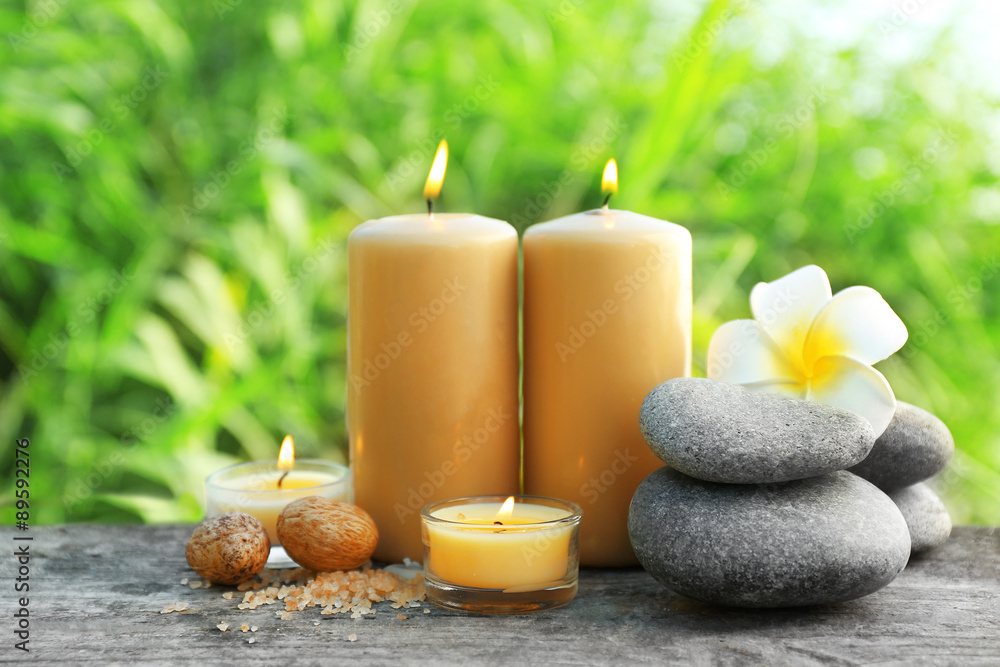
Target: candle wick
(282,478)
(430,208)
(606,200)
(498,523)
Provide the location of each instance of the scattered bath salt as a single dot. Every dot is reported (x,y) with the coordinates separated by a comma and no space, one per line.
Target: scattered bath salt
(427,611)
(401,616)
(245,628)
(195,584)
(354,592)
(223,626)
(315,622)
(184,581)
(253,628)
(352,638)
(176,606)
(252,640)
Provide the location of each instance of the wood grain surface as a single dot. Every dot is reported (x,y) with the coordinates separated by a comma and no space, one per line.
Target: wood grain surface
(96,592)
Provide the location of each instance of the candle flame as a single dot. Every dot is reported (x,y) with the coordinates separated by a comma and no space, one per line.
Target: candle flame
(507,509)
(432,188)
(609,180)
(286,457)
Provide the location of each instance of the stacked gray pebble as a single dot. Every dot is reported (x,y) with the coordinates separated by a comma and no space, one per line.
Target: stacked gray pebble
(721,432)
(916,446)
(757,509)
(925,514)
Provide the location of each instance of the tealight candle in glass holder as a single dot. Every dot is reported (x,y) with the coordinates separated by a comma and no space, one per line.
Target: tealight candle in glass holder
(490,555)
(263,489)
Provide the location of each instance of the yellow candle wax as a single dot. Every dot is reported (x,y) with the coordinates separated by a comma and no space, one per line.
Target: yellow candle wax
(253,488)
(466,546)
(607,317)
(432,363)
(432,407)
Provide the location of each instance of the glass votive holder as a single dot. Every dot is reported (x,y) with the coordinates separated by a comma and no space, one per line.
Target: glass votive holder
(254,488)
(497,555)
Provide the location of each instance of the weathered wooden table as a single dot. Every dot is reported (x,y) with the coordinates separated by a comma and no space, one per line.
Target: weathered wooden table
(96,592)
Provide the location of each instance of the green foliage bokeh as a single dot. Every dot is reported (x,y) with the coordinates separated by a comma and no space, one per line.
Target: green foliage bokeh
(177,181)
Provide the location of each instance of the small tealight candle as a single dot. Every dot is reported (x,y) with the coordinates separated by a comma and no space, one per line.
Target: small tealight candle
(263,489)
(490,555)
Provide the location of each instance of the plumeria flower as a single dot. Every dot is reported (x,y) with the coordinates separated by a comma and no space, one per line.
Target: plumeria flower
(807,343)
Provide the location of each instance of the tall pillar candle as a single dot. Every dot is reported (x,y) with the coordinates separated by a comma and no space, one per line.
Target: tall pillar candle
(607,317)
(432,407)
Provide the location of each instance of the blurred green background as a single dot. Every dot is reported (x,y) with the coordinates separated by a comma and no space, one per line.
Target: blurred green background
(178,180)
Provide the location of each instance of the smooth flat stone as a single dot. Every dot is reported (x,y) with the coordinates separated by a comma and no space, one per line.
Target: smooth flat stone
(916,445)
(721,432)
(813,541)
(926,516)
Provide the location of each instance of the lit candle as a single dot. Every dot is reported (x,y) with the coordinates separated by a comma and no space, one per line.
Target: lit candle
(484,555)
(607,317)
(432,368)
(262,489)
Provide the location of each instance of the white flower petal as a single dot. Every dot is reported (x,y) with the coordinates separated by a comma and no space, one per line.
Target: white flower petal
(857,323)
(853,385)
(785,308)
(740,352)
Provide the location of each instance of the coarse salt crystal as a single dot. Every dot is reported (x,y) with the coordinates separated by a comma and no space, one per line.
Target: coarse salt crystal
(352,638)
(353,592)
(223,626)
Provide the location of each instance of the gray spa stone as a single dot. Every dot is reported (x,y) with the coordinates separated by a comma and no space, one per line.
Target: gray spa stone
(813,541)
(926,516)
(721,432)
(916,445)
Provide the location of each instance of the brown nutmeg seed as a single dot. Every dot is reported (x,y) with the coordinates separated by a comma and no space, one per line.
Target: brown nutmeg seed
(327,535)
(229,549)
